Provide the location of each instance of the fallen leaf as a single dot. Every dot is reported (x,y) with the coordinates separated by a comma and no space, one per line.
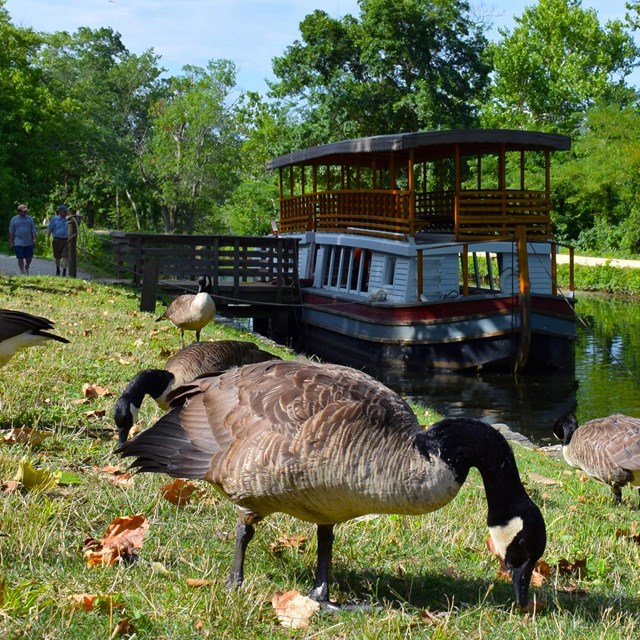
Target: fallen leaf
(123,627)
(196,583)
(117,476)
(122,536)
(80,401)
(539,479)
(36,479)
(165,353)
(24,435)
(578,567)
(98,413)
(9,486)
(293,609)
(95,391)
(84,601)
(534,605)
(179,492)
(298,543)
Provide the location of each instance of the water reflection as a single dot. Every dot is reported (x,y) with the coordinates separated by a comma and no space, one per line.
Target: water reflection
(606,380)
(527,403)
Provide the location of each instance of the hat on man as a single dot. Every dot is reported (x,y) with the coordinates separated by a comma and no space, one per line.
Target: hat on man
(63,207)
(23,207)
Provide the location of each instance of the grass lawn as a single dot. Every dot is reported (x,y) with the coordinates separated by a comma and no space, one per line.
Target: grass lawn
(433,574)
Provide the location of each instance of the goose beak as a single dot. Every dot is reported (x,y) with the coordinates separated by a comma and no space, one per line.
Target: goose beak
(521,578)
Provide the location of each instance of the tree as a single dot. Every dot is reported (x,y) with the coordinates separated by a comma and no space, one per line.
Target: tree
(601,183)
(27,111)
(191,157)
(104,93)
(556,63)
(402,66)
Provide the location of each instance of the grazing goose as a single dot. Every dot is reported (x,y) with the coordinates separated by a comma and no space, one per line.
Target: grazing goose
(194,361)
(192,312)
(607,449)
(326,443)
(19,330)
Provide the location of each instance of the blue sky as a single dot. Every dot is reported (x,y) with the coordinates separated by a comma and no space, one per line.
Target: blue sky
(249,32)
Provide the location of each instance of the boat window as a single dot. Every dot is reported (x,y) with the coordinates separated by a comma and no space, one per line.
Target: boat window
(389,270)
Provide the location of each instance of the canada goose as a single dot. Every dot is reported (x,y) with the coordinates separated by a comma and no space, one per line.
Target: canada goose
(194,361)
(607,449)
(326,443)
(192,312)
(19,330)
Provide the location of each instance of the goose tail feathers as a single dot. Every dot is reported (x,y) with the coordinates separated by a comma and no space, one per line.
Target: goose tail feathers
(166,448)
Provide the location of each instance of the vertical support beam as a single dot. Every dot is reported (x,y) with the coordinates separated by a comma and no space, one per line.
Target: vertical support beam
(150,277)
(72,244)
(522,167)
(420,274)
(456,201)
(525,299)
(554,270)
(412,194)
(465,269)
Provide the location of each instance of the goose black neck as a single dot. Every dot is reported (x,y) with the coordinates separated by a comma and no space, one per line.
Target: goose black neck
(464,443)
(152,382)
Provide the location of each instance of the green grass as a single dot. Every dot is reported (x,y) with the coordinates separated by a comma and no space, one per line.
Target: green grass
(432,573)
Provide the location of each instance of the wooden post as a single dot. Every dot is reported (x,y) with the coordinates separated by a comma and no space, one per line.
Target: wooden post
(525,300)
(72,244)
(150,277)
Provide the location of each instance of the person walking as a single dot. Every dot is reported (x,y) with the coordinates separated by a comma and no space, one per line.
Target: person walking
(22,238)
(59,229)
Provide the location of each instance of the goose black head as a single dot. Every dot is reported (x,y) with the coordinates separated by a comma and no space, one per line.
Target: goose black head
(564,427)
(124,415)
(204,284)
(520,542)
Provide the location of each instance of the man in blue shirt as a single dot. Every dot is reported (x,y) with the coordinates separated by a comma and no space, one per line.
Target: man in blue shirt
(22,238)
(59,229)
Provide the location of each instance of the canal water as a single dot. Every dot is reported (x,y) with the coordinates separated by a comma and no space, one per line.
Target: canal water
(606,378)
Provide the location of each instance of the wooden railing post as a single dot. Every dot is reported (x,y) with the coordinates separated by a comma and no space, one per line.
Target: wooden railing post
(150,277)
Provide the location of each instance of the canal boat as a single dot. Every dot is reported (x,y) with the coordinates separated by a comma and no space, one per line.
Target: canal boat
(429,250)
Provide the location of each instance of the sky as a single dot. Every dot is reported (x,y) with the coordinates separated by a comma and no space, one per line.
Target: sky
(248,32)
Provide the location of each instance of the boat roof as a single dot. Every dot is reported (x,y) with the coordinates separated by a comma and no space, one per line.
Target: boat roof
(426,145)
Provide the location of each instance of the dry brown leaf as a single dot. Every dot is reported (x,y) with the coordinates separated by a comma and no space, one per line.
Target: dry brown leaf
(24,435)
(97,414)
(95,391)
(180,492)
(122,536)
(298,543)
(118,477)
(123,627)
(9,486)
(534,606)
(578,567)
(540,479)
(165,353)
(293,609)
(84,601)
(80,401)
(196,583)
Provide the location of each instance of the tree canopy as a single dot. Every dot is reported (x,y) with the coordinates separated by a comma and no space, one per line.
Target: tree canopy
(400,66)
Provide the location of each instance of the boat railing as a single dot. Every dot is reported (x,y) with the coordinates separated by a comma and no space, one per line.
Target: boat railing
(479,267)
(481,214)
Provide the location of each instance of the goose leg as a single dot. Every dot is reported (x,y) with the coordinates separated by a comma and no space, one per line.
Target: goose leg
(617,494)
(244,533)
(320,591)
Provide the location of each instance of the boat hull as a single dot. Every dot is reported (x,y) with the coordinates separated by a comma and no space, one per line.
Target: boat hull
(462,334)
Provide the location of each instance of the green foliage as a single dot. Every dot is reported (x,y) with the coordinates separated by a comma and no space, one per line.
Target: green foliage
(603,278)
(192,155)
(556,62)
(600,184)
(390,70)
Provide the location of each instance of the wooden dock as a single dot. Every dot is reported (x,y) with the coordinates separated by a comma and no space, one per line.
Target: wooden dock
(253,277)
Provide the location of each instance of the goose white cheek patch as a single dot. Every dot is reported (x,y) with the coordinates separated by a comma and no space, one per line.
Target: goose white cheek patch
(503,536)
